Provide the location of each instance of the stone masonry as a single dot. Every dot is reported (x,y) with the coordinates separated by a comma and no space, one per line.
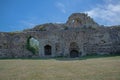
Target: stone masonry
(79,36)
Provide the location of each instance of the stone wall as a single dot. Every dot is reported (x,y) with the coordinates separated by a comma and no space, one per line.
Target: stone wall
(93,39)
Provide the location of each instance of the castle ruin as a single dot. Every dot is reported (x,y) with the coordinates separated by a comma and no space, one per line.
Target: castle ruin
(79,36)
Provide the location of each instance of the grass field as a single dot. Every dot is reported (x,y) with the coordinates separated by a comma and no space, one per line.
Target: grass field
(104,68)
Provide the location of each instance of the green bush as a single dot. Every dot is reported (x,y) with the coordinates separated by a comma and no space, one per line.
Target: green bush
(32,49)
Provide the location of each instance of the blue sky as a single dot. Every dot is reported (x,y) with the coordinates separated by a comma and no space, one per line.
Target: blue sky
(16,15)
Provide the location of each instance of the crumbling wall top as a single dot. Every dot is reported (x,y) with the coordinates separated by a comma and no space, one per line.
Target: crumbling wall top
(80,20)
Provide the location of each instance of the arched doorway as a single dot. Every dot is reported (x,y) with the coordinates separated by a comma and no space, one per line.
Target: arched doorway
(74,50)
(47,50)
(74,53)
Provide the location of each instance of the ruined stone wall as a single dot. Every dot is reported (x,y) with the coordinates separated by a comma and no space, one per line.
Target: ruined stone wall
(13,45)
(89,41)
(83,36)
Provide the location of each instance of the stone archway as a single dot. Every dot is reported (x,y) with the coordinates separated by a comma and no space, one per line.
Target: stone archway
(74,50)
(48,50)
(74,53)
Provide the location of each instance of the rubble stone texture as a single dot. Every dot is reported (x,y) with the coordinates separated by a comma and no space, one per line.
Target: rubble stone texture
(79,36)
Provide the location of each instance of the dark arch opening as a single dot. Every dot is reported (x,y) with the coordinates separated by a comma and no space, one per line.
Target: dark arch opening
(47,50)
(74,53)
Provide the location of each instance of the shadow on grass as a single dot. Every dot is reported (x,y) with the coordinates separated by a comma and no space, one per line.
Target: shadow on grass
(63,58)
(86,57)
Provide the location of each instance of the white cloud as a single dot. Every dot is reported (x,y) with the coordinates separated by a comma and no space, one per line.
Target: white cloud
(108,13)
(61,7)
(27,24)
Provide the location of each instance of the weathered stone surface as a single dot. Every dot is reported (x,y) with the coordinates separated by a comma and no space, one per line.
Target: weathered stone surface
(81,20)
(79,36)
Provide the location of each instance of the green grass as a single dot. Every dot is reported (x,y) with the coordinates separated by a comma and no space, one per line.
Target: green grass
(86,68)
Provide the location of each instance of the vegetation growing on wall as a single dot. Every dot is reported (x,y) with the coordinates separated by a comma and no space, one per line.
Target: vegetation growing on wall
(33,49)
(42,28)
(78,20)
(13,33)
(65,27)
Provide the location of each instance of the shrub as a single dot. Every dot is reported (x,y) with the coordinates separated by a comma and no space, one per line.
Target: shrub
(29,47)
